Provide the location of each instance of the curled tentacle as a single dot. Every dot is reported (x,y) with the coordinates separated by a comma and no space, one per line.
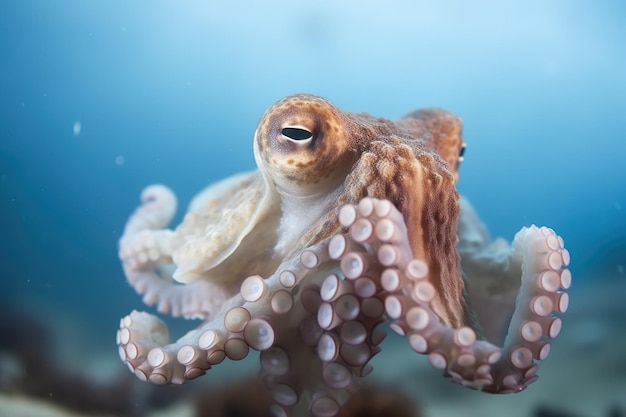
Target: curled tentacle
(248,320)
(145,250)
(541,299)
(464,357)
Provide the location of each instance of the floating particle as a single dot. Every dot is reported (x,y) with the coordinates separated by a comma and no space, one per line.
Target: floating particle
(77,128)
(119,160)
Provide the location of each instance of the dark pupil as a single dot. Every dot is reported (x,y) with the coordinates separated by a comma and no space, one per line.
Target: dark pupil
(297,134)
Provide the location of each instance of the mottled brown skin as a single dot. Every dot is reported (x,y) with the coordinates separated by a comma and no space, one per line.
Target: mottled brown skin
(412,162)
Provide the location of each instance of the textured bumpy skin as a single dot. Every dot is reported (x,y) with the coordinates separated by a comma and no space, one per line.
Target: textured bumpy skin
(350,221)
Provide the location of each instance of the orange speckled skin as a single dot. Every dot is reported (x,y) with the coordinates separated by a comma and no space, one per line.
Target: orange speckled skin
(412,162)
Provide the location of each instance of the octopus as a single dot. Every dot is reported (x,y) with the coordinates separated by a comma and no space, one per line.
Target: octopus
(349,222)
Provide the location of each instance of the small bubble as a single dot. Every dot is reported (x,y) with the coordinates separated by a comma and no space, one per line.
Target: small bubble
(77,128)
(119,160)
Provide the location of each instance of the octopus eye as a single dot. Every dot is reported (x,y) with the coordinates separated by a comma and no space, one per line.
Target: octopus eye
(296,133)
(462,152)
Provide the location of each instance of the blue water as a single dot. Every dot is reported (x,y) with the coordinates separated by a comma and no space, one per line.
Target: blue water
(101,98)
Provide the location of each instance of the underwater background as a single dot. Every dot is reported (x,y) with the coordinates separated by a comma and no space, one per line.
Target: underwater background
(99,99)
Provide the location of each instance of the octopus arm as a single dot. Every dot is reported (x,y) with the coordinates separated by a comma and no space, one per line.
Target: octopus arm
(537,256)
(419,183)
(219,219)
(146,249)
(314,320)
(211,195)
(248,319)
(492,270)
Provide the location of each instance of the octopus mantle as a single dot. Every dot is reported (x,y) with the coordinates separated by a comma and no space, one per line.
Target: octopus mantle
(350,221)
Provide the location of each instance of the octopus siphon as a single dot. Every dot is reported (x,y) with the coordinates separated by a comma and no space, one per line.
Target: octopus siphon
(349,222)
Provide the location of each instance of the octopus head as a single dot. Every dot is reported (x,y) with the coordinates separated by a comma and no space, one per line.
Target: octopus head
(302,143)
